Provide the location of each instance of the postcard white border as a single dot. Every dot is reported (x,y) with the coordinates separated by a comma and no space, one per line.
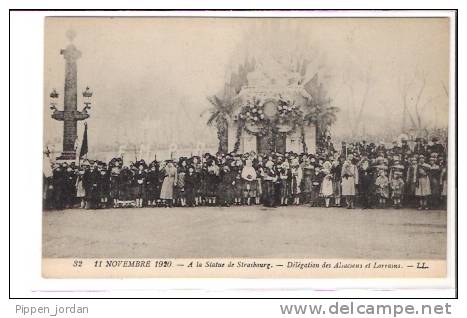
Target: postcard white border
(26,148)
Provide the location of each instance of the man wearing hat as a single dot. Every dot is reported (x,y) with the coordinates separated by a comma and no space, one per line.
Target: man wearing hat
(58,181)
(90,180)
(381,149)
(365,182)
(419,149)
(103,185)
(336,170)
(405,146)
(115,169)
(152,184)
(70,186)
(436,147)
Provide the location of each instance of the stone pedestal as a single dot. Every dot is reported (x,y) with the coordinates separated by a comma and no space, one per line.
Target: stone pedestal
(294,143)
(310,138)
(248,143)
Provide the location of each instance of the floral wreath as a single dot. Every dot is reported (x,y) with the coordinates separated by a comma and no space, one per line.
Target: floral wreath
(288,112)
(252,112)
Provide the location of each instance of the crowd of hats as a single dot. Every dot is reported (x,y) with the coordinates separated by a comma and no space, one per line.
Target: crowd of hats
(383,159)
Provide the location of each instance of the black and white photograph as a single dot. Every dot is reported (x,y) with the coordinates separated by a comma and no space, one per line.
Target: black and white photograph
(247,146)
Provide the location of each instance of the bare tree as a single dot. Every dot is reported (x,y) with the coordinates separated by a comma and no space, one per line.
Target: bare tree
(414,100)
(359,88)
(445,89)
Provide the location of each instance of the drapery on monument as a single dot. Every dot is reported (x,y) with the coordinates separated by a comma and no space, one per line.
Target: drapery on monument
(70,114)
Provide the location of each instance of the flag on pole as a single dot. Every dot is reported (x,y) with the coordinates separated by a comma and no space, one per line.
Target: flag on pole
(84,144)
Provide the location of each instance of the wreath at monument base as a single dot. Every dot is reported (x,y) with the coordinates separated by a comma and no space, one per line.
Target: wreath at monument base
(252,119)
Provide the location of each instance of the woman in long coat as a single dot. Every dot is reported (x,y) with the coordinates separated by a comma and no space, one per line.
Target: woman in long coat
(349,181)
(190,186)
(140,180)
(249,182)
(198,184)
(114,184)
(316,181)
(444,183)
(167,189)
(411,181)
(90,180)
(236,168)
(423,189)
(180,195)
(307,183)
(226,185)
(434,174)
(366,183)
(327,189)
(80,191)
(212,181)
(296,174)
(336,170)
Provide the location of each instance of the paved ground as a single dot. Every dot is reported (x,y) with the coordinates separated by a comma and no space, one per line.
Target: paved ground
(298,232)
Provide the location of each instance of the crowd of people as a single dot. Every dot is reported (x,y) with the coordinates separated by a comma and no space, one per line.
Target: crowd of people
(362,174)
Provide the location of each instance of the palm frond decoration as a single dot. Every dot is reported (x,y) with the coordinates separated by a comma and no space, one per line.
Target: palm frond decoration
(220,110)
(327,115)
(220,113)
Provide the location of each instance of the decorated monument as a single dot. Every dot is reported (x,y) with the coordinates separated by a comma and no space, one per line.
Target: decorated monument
(269,106)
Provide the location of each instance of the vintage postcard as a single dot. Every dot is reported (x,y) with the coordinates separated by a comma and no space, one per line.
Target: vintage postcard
(278,147)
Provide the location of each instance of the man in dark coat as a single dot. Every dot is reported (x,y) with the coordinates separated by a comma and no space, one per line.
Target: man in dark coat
(269,182)
(115,182)
(59,185)
(153,184)
(436,147)
(365,182)
(70,187)
(191,180)
(405,148)
(103,186)
(90,180)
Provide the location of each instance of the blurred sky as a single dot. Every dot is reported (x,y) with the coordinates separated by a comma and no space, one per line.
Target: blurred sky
(151,76)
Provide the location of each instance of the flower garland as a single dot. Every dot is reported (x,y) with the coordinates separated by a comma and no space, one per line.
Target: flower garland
(289,113)
(252,113)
